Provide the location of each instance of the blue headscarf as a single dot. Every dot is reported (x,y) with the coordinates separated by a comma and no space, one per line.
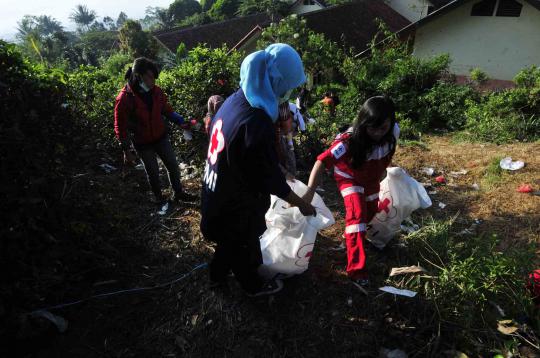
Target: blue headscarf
(267,75)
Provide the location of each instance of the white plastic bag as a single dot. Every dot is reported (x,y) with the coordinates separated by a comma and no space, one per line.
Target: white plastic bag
(289,239)
(399,196)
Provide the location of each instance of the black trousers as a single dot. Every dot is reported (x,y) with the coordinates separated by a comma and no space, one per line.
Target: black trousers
(238,247)
(164,150)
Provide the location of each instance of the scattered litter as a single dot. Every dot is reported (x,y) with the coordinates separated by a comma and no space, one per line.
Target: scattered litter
(404,270)
(107,168)
(395,353)
(475,186)
(187,134)
(397,291)
(525,189)
(349,302)
(311,120)
(341,247)
(507,327)
(433,192)
(408,226)
(60,323)
(440,179)
(428,171)
(461,172)
(442,205)
(508,164)
(164,209)
(498,308)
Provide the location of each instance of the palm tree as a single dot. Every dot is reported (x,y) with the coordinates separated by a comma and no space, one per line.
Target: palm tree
(83,16)
(26,26)
(48,25)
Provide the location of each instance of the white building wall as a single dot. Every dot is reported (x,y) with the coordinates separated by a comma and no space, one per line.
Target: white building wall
(412,10)
(500,46)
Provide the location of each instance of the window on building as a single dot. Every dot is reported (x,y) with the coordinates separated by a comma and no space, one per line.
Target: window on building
(309,2)
(509,8)
(484,8)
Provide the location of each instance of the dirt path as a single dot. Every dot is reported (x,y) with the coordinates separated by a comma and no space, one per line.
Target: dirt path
(319,313)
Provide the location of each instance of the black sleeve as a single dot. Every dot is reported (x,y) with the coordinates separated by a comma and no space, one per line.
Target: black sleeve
(262,159)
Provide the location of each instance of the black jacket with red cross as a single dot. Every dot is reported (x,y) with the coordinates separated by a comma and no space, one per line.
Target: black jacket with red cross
(242,167)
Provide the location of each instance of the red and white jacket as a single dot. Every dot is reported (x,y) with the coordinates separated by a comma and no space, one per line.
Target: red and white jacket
(364,180)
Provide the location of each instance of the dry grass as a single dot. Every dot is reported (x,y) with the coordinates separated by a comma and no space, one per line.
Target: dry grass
(319,313)
(504,211)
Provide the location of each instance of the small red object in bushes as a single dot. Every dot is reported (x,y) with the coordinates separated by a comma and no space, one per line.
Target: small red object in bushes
(533,284)
(440,179)
(525,188)
(221,82)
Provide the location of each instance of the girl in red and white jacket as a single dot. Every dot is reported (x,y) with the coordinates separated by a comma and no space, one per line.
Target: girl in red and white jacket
(359,158)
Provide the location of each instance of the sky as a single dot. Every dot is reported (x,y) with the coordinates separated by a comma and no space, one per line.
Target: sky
(13,10)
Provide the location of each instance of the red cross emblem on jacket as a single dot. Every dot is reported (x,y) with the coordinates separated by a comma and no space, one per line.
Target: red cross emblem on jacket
(217,142)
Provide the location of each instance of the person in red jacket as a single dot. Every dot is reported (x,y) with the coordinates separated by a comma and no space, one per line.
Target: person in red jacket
(138,119)
(359,158)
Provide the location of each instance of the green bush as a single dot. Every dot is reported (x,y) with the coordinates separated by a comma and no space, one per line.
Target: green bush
(391,70)
(445,104)
(204,72)
(467,278)
(91,94)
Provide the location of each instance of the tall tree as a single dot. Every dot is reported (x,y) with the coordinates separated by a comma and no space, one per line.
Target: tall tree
(272,7)
(122,18)
(180,9)
(109,23)
(136,42)
(207,4)
(83,17)
(224,9)
(158,18)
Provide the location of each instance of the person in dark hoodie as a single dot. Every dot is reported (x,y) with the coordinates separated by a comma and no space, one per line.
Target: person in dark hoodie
(242,167)
(138,119)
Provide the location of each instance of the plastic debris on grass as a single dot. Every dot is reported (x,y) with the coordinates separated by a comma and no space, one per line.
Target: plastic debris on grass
(405,270)
(164,208)
(461,172)
(508,164)
(440,179)
(107,168)
(397,291)
(428,171)
(442,205)
(525,189)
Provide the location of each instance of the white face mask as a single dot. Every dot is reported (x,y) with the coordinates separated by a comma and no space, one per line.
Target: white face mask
(143,86)
(285,97)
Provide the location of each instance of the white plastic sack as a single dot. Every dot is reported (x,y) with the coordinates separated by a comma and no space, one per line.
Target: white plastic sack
(399,196)
(288,241)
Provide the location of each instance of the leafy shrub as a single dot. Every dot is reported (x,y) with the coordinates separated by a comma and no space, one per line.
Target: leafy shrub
(91,96)
(319,55)
(391,70)
(445,104)
(204,72)
(479,76)
(469,277)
